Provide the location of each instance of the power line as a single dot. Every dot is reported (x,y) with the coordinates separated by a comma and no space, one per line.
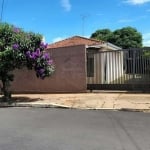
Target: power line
(2,8)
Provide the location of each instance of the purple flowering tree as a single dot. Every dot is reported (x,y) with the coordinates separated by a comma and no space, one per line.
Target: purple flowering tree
(20,49)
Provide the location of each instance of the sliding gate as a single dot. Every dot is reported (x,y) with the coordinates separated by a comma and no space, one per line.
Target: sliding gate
(119,70)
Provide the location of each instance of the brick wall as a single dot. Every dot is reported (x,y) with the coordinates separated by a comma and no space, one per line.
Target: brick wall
(70,74)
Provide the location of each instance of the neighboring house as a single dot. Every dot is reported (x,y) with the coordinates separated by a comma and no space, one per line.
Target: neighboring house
(78,61)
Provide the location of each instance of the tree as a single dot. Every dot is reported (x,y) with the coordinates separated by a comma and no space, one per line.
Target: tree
(20,49)
(104,34)
(126,37)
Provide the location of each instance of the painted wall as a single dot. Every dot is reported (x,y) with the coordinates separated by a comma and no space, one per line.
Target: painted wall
(70,74)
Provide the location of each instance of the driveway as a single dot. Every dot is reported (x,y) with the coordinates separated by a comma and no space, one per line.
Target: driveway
(70,129)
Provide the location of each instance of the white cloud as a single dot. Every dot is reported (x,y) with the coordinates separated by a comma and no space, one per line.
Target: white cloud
(146,43)
(43,39)
(132,20)
(125,20)
(57,39)
(136,2)
(146,39)
(87,36)
(66,5)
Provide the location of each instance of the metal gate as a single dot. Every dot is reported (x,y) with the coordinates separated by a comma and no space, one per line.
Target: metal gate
(119,70)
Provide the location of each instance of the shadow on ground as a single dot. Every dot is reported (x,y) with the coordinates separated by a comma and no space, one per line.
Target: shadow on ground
(19,99)
(25,99)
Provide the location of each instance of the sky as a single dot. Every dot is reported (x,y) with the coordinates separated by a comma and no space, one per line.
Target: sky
(60,19)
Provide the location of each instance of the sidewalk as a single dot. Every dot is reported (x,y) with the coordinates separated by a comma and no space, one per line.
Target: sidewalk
(115,101)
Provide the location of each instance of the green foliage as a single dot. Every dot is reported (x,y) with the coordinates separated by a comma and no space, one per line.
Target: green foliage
(103,34)
(20,49)
(147,53)
(126,37)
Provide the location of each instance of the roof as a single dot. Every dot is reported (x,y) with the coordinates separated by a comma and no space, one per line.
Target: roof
(106,45)
(75,40)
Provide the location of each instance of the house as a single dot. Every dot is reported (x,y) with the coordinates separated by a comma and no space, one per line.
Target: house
(78,61)
(99,67)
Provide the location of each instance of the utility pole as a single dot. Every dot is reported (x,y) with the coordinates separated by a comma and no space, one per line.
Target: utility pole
(2,7)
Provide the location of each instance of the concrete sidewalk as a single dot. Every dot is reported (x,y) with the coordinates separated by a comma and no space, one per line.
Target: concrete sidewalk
(105,100)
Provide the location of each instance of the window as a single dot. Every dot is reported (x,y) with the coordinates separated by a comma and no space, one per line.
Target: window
(90,66)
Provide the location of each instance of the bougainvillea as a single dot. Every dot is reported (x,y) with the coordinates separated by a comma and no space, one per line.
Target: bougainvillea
(20,49)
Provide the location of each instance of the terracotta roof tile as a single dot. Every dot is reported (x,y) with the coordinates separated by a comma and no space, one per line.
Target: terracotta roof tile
(75,40)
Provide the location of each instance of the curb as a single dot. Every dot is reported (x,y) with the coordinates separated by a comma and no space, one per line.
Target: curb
(134,110)
(4,105)
(33,105)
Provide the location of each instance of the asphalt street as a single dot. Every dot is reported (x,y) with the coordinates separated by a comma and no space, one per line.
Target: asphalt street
(70,129)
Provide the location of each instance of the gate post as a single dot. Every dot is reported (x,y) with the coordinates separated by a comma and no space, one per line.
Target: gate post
(134,64)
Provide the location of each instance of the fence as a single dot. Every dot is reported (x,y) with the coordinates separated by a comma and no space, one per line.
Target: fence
(119,70)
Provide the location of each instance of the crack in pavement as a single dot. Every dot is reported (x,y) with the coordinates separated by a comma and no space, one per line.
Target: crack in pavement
(115,100)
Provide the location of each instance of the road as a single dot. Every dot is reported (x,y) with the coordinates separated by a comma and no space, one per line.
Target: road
(70,129)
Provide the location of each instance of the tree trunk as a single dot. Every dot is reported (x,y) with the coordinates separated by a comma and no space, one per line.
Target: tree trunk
(5,90)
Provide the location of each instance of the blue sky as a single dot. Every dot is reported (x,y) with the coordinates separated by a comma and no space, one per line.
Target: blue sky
(59,19)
